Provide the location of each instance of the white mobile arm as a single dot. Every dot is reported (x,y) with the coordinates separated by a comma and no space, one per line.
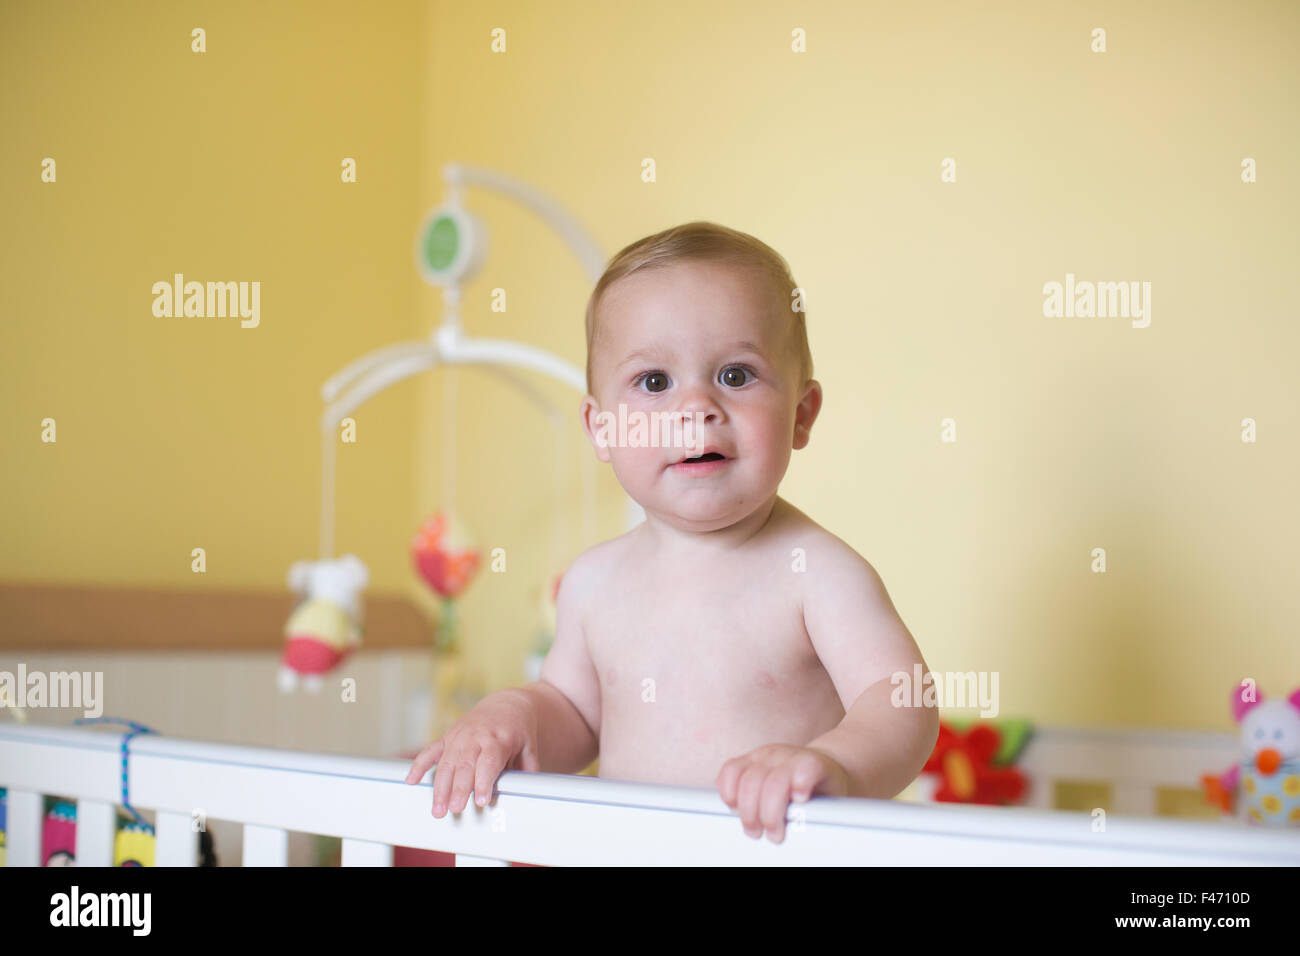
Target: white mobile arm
(376,371)
(551,212)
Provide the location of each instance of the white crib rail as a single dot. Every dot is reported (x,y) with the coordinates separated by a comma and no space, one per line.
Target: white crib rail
(550,819)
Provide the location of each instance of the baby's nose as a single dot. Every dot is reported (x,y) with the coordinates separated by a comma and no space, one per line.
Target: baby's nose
(698,401)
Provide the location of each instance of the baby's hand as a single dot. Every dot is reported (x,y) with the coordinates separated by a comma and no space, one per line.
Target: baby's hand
(500,733)
(761,783)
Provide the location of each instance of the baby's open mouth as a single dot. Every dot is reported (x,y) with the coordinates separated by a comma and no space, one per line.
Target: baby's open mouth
(711,456)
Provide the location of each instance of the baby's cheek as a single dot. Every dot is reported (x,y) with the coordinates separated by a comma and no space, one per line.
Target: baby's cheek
(642,461)
(775,444)
(773,425)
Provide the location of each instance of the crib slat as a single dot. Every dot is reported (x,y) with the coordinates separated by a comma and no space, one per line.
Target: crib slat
(463,859)
(365,853)
(178,844)
(96,828)
(23,828)
(265,846)
(1040,792)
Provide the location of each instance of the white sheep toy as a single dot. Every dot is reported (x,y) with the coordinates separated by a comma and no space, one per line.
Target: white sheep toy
(326,626)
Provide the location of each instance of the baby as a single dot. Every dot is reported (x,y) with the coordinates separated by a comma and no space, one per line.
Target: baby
(728,640)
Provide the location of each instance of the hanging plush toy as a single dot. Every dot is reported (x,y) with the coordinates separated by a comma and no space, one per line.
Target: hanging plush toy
(326,626)
(447,558)
(1267,776)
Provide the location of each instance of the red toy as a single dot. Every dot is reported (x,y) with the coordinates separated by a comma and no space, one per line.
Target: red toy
(970,774)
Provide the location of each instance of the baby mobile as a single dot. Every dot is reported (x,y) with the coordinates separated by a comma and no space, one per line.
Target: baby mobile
(446,555)
(326,624)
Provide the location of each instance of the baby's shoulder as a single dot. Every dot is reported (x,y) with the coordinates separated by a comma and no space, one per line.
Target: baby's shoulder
(590,569)
(826,557)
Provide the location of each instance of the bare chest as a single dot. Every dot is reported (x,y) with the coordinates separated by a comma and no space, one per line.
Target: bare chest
(696,670)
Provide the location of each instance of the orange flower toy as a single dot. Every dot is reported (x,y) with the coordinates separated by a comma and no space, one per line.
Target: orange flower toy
(447,558)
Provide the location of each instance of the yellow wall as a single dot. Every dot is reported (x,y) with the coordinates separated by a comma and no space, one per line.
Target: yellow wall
(925,300)
(180,433)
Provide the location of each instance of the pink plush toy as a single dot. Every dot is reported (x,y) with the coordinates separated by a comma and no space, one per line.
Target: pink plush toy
(1269,772)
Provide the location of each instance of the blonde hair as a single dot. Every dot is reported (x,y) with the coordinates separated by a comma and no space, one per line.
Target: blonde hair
(707,241)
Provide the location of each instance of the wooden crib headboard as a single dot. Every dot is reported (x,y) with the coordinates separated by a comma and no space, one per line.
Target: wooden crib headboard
(61,617)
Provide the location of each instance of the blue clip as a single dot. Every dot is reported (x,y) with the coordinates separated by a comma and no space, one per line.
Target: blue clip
(135,730)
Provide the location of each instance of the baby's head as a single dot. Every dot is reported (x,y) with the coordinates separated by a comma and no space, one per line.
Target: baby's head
(699,322)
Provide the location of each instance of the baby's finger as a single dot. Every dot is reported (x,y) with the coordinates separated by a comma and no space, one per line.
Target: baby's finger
(491,761)
(807,773)
(528,759)
(445,776)
(748,792)
(425,759)
(460,790)
(442,776)
(728,778)
(773,802)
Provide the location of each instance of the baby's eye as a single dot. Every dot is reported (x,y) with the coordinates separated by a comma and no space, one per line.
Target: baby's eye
(735,376)
(654,381)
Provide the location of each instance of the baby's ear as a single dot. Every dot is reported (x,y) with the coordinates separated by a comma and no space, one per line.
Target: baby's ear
(805,414)
(599,426)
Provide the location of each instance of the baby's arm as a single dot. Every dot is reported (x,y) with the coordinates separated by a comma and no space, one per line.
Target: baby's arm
(862,643)
(544,726)
(877,749)
(567,695)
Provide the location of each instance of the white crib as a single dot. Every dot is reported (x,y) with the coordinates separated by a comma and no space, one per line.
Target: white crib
(556,819)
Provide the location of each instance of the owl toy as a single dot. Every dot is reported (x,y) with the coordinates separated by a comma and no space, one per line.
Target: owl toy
(1266,779)
(133,845)
(325,627)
